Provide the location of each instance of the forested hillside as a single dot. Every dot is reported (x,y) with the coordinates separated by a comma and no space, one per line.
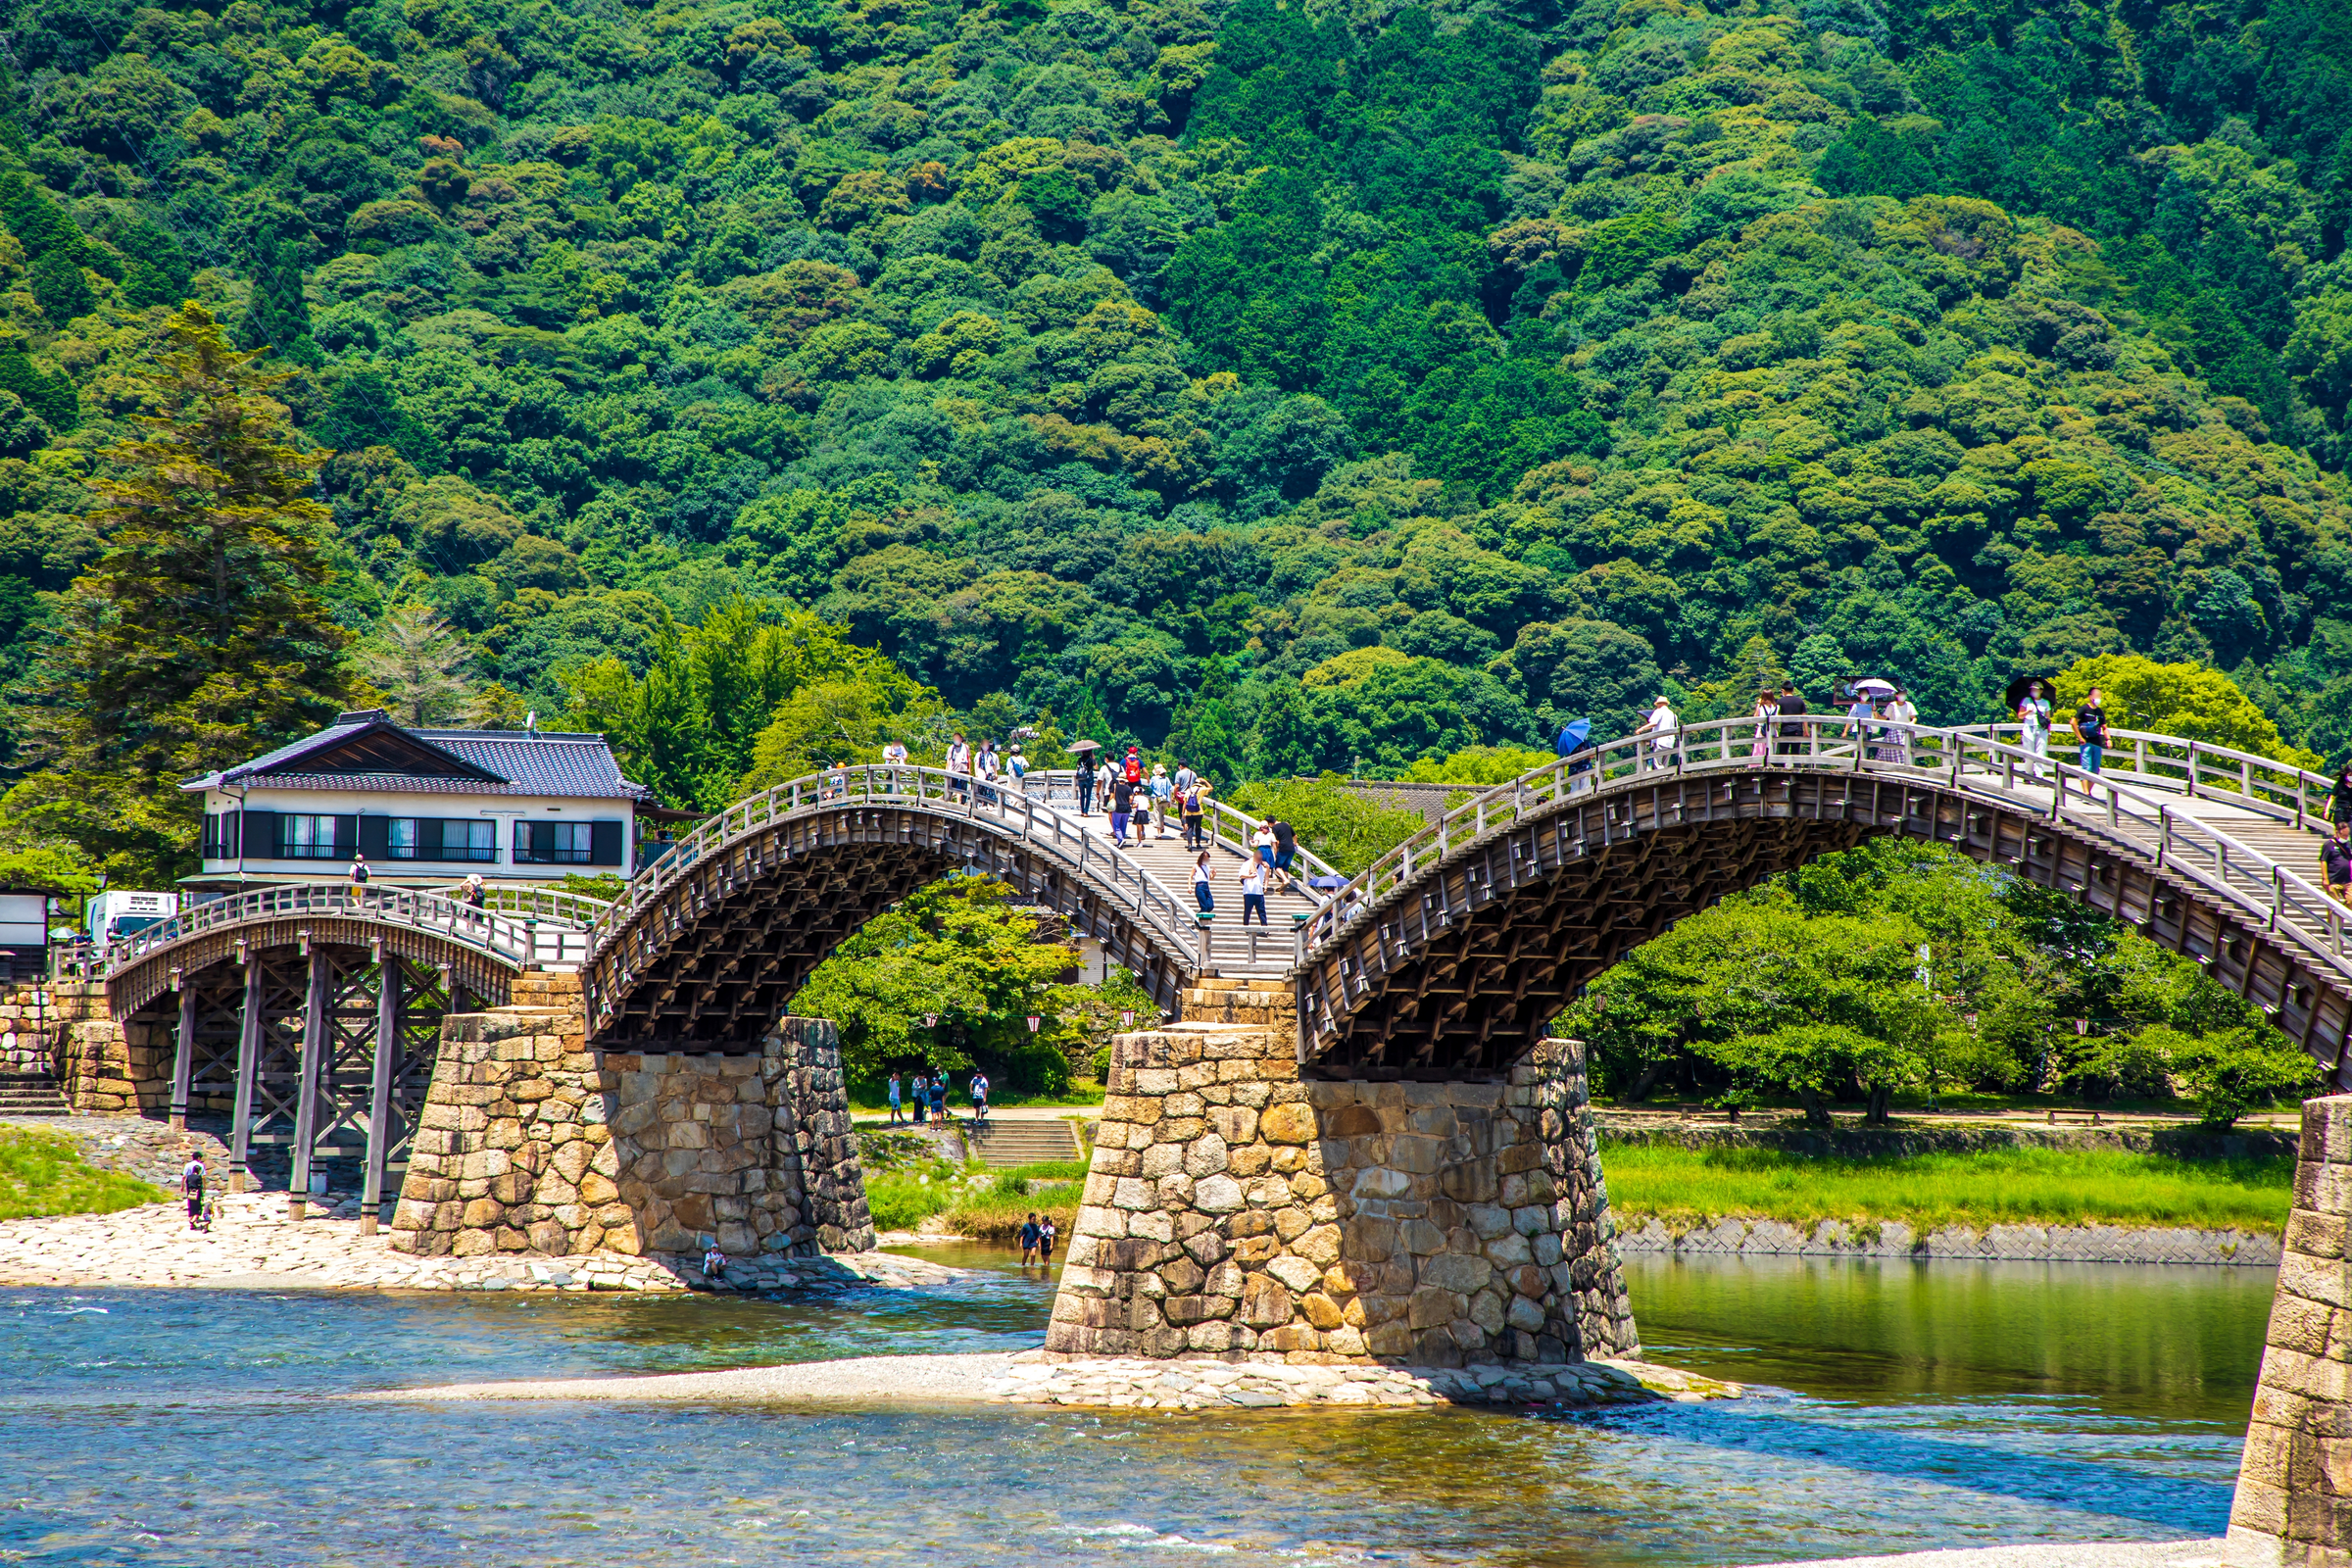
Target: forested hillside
(1331,385)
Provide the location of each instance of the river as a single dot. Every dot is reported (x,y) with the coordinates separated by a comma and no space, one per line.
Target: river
(1914,1405)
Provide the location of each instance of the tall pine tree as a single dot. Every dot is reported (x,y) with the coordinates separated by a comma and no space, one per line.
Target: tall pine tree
(199,637)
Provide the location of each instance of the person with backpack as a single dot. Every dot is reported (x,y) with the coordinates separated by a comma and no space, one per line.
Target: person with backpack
(1016,768)
(1083,778)
(979,1094)
(2335,863)
(191,1187)
(1122,806)
(1193,807)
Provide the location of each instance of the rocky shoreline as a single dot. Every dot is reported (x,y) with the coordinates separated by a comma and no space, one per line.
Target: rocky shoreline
(1185,1384)
(1891,1239)
(257,1244)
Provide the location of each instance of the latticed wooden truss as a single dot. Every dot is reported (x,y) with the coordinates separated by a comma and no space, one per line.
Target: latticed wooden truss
(244,1029)
(1458,971)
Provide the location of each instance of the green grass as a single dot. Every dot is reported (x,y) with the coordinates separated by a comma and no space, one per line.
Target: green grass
(44,1173)
(2025,1186)
(984,1203)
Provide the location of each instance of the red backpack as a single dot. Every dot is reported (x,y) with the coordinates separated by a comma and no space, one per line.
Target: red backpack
(1135,768)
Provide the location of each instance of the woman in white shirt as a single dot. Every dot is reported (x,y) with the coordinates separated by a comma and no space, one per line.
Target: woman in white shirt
(1253,890)
(1204,874)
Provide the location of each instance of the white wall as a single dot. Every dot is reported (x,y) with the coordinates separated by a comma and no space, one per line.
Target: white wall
(503,809)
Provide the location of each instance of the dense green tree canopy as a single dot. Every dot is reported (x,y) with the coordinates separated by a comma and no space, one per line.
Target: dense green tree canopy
(1135,365)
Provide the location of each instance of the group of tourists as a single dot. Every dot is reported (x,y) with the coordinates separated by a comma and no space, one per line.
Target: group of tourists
(925,1100)
(1147,801)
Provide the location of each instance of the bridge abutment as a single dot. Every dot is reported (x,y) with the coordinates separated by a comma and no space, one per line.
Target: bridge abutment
(2295,1487)
(531,1140)
(1237,1209)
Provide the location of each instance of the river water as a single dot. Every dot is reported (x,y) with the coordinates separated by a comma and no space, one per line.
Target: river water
(1914,1405)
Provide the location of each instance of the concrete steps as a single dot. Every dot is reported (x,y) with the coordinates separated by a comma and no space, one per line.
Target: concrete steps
(24,1094)
(1003,1144)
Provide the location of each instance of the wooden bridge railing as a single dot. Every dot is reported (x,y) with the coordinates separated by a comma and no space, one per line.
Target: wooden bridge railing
(527,927)
(1001,803)
(2149,821)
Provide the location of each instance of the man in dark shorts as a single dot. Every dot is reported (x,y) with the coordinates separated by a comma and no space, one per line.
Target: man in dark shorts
(1792,706)
(1029,1236)
(191,1184)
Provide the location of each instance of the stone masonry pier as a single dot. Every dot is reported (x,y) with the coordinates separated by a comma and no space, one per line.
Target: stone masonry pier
(2294,1487)
(1237,1209)
(531,1141)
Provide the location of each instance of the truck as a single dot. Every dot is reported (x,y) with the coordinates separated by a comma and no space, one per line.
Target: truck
(112,915)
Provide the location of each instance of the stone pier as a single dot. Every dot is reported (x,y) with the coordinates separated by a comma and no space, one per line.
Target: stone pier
(1236,1209)
(531,1141)
(2294,1487)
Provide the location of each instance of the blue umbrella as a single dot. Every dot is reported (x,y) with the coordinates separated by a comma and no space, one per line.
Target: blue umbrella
(1573,736)
(1327,884)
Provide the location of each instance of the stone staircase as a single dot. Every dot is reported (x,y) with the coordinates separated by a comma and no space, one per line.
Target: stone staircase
(31,1094)
(1004,1144)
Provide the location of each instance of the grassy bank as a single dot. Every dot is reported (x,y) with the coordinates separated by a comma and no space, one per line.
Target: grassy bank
(2024,1186)
(44,1173)
(987,1204)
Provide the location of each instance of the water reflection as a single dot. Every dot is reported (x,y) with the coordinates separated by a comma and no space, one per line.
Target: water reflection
(1945,1406)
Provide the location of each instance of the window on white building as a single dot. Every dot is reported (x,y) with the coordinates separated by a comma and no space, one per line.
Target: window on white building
(306,838)
(469,841)
(558,843)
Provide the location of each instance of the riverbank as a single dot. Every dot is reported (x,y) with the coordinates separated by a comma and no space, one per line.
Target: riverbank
(2017,1244)
(1028,1378)
(255,1244)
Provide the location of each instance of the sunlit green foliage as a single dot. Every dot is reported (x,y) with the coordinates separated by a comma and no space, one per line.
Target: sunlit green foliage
(1142,366)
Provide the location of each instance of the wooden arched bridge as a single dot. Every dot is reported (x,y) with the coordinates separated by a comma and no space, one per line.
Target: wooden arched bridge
(309,1016)
(1444,961)
(1449,957)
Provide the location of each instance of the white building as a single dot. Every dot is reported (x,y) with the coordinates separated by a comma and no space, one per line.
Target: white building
(426,807)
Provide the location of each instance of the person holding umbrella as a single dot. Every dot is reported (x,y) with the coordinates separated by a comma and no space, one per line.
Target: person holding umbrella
(1083,752)
(1575,742)
(1871,711)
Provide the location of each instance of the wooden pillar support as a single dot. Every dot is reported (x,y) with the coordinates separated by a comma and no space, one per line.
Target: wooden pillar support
(183,1057)
(315,1047)
(248,1062)
(379,1091)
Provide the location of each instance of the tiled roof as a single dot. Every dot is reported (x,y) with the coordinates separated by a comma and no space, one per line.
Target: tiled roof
(479,761)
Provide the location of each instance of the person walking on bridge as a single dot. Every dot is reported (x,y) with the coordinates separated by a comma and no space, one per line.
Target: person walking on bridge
(2339,799)
(1189,804)
(1163,790)
(2091,731)
(1253,890)
(1122,806)
(1793,706)
(2033,727)
(1662,727)
(2335,863)
(894,757)
(1082,777)
(1768,709)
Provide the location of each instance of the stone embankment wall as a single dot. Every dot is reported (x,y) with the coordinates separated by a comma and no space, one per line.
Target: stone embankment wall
(1234,1209)
(2039,1244)
(531,1141)
(101,1068)
(2294,1487)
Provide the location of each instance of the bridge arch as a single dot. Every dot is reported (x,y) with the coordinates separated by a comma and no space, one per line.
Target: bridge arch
(231,993)
(705,949)
(1447,959)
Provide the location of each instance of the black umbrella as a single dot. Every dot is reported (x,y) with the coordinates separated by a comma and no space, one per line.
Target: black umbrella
(2017,690)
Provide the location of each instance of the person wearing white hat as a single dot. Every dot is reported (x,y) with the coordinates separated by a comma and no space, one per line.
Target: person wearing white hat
(1662,728)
